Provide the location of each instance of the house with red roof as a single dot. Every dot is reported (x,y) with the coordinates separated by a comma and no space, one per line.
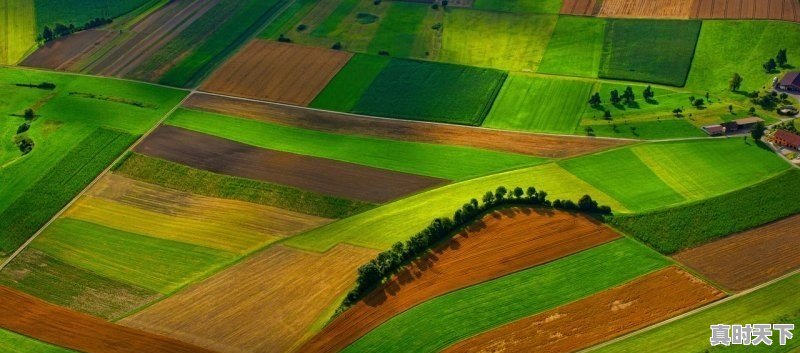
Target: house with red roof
(787,139)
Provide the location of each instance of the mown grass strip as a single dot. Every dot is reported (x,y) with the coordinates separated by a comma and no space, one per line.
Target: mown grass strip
(33,208)
(445,320)
(183,178)
(673,229)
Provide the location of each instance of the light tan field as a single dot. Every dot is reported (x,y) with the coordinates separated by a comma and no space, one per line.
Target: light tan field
(229,225)
(647,8)
(787,10)
(279,72)
(266,303)
(600,317)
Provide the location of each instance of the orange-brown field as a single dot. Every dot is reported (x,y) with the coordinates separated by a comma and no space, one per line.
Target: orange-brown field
(280,72)
(787,10)
(647,8)
(266,303)
(647,300)
(501,243)
(32,317)
(580,7)
(747,259)
(550,146)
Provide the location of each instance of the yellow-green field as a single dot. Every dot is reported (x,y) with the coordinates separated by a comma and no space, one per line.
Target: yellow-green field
(17,29)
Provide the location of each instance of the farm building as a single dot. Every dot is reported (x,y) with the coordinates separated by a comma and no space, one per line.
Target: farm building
(790,82)
(787,139)
(727,127)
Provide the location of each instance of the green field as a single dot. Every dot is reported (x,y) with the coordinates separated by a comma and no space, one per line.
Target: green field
(50,12)
(47,278)
(285,22)
(345,89)
(75,137)
(673,229)
(11,342)
(649,51)
(495,39)
(383,226)
(539,104)
(445,320)
(399,32)
(728,47)
(17,30)
(419,90)
(156,264)
(776,303)
(449,162)
(183,178)
(624,176)
(520,6)
(575,48)
(649,129)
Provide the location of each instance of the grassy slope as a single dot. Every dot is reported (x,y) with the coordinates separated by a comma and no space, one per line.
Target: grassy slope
(495,39)
(520,6)
(11,342)
(419,90)
(447,319)
(64,121)
(539,104)
(728,47)
(346,88)
(17,30)
(183,178)
(575,48)
(777,303)
(649,51)
(700,222)
(381,227)
(50,12)
(156,264)
(449,162)
(615,173)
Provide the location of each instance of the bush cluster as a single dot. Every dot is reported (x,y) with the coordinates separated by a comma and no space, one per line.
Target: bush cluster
(382,267)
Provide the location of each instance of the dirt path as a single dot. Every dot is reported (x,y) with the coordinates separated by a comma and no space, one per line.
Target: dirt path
(32,317)
(502,243)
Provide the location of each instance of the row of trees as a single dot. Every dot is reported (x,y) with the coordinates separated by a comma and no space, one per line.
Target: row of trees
(389,262)
(24,142)
(62,30)
(626,97)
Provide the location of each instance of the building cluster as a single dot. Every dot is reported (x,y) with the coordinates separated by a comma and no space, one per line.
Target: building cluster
(731,127)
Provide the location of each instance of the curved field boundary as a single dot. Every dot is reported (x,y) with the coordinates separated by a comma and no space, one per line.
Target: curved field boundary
(552,146)
(786,10)
(46,322)
(502,242)
(279,294)
(280,72)
(747,259)
(320,175)
(647,8)
(602,316)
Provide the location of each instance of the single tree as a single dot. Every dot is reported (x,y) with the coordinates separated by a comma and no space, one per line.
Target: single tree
(677,112)
(770,65)
(648,93)
(752,110)
(29,114)
(595,99)
(735,82)
(758,131)
(488,198)
(628,95)
(518,192)
(691,99)
(615,99)
(699,103)
(730,108)
(531,192)
(47,34)
(500,193)
(607,115)
(781,58)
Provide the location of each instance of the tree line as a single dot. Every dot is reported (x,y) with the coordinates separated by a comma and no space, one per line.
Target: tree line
(384,265)
(62,30)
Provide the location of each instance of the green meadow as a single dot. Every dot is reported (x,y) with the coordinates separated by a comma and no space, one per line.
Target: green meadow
(445,320)
(50,12)
(575,47)
(496,39)
(649,51)
(11,342)
(449,162)
(345,89)
(399,32)
(79,128)
(18,30)
(776,303)
(419,90)
(381,227)
(519,6)
(539,104)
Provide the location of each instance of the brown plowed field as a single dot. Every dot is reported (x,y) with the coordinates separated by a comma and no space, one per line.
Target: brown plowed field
(787,10)
(580,7)
(278,72)
(279,294)
(46,322)
(500,244)
(647,8)
(750,258)
(325,176)
(151,34)
(642,302)
(64,53)
(532,144)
